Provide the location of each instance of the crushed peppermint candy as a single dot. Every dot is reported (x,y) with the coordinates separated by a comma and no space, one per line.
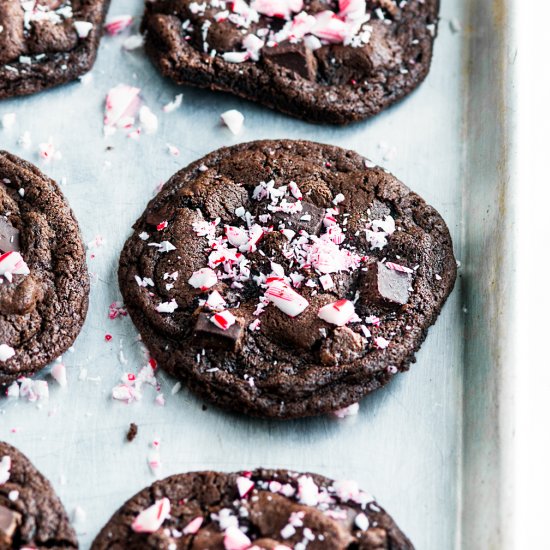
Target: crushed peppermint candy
(223,319)
(338,313)
(5,467)
(152,518)
(234,120)
(6,352)
(117,24)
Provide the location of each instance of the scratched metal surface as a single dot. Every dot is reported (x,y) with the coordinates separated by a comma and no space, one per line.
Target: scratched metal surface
(406,444)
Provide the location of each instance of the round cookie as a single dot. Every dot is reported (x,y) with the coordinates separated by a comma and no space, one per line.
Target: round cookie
(47,42)
(285,278)
(263,509)
(323,61)
(44,282)
(31,514)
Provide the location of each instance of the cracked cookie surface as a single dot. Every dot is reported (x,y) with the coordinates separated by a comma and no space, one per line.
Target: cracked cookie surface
(324,61)
(44,282)
(285,278)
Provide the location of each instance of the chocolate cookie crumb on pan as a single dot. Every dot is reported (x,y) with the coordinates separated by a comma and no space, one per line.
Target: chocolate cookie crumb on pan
(285,278)
(132,432)
(44,282)
(259,510)
(31,515)
(47,42)
(324,61)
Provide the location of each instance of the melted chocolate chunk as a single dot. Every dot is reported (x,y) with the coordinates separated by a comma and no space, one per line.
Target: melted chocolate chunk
(310,219)
(9,521)
(387,287)
(295,57)
(9,237)
(211,336)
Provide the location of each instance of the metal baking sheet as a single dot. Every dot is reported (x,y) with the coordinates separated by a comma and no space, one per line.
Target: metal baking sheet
(428,446)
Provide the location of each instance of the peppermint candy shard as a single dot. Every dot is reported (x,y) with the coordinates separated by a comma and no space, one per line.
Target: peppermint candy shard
(203,278)
(152,518)
(6,352)
(235,539)
(223,319)
(193,526)
(285,298)
(338,313)
(12,263)
(244,485)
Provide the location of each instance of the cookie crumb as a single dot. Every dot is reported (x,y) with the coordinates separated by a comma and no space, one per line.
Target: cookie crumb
(132,432)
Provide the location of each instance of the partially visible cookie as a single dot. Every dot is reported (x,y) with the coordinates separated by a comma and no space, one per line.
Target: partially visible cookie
(286,278)
(263,509)
(329,61)
(44,282)
(44,43)
(31,514)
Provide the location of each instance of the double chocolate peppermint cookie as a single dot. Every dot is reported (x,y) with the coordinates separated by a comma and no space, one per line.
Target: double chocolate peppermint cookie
(328,61)
(31,515)
(286,278)
(44,282)
(44,43)
(260,510)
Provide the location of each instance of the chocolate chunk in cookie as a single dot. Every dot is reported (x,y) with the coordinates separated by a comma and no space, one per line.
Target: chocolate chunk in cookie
(269,299)
(44,282)
(387,285)
(263,509)
(309,218)
(46,43)
(31,515)
(328,62)
(297,58)
(210,333)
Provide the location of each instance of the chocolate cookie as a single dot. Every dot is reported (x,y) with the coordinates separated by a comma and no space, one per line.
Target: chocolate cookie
(264,509)
(328,61)
(44,282)
(285,278)
(31,514)
(44,43)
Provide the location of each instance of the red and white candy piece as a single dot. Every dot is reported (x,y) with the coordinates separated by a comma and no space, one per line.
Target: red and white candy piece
(353,9)
(236,235)
(223,319)
(193,526)
(12,263)
(216,301)
(152,518)
(398,267)
(6,352)
(235,539)
(381,342)
(277,8)
(203,278)
(285,298)
(244,486)
(121,106)
(338,313)
(117,24)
